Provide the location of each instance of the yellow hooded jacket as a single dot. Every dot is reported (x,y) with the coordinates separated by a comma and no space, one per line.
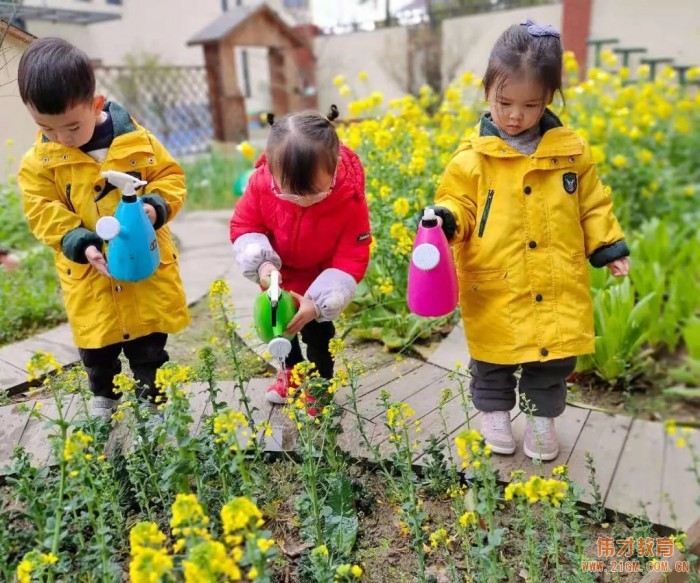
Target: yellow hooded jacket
(64,195)
(525,226)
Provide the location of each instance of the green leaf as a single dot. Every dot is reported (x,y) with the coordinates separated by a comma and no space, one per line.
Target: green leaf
(691,337)
(342,524)
(683,392)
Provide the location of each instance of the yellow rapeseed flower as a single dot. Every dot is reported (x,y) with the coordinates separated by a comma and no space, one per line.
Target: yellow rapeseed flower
(247,150)
(401,207)
(150,565)
(619,161)
(240,514)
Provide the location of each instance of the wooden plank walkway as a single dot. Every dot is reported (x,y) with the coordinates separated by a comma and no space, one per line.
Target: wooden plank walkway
(635,462)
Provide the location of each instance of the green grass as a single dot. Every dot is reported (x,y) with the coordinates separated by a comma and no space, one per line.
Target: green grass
(30,297)
(210,180)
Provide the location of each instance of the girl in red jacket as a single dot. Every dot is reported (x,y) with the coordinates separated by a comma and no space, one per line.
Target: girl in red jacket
(304,214)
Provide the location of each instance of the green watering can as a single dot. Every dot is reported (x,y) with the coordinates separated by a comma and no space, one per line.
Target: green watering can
(274,309)
(240,184)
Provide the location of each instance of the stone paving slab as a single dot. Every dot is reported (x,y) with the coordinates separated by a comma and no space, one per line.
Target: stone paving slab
(452,349)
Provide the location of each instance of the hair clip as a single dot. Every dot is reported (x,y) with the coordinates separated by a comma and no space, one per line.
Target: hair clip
(540,29)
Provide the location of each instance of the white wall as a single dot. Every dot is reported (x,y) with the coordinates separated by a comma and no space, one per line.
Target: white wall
(668,29)
(328,13)
(467,41)
(162,27)
(155,26)
(259,74)
(92,5)
(382,54)
(15,123)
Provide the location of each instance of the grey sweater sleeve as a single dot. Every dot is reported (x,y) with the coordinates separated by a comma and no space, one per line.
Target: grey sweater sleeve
(332,291)
(251,251)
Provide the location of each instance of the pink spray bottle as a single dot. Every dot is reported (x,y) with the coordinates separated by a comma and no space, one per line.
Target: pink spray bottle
(432,278)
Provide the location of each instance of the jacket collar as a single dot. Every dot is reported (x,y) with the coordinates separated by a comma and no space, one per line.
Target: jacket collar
(557,140)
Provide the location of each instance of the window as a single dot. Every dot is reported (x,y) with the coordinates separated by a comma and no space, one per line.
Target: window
(296,3)
(116,2)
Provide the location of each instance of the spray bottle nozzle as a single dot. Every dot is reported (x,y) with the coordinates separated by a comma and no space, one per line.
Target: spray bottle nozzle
(125,182)
(429,217)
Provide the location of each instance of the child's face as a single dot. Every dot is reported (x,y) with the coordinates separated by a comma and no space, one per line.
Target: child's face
(74,127)
(323,185)
(518,105)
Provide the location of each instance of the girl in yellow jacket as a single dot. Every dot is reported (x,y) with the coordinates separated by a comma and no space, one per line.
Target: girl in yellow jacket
(64,195)
(524,206)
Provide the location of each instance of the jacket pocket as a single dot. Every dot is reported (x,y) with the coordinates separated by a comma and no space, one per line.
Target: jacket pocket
(82,306)
(162,295)
(485,214)
(576,306)
(166,247)
(485,300)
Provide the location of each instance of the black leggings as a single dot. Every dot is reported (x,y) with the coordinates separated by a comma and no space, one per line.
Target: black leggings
(317,337)
(145,355)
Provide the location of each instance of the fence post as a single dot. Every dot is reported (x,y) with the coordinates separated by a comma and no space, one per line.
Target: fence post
(576,28)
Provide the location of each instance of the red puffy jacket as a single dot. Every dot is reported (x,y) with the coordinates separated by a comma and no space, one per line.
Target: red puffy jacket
(333,233)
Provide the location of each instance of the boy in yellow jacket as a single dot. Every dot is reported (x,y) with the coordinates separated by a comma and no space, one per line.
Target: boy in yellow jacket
(81,135)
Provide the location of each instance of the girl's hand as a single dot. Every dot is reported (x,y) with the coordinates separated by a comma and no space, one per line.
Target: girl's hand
(151,212)
(620,267)
(264,273)
(97,260)
(306,313)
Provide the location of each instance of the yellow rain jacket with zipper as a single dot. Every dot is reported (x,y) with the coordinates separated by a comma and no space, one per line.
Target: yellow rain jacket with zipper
(525,227)
(64,195)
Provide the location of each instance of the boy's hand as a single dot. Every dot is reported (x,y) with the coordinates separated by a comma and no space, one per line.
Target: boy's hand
(264,272)
(151,212)
(97,260)
(619,267)
(306,313)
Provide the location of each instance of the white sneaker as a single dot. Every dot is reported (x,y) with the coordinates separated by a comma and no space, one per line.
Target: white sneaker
(497,431)
(102,408)
(541,439)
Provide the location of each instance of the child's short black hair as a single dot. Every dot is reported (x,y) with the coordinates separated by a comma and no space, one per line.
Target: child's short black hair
(54,76)
(524,49)
(299,145)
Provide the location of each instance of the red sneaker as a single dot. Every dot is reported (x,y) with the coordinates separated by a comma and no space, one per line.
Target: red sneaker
(279,392)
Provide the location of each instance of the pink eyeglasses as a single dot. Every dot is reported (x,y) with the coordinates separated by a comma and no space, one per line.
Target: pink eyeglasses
(303,200)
